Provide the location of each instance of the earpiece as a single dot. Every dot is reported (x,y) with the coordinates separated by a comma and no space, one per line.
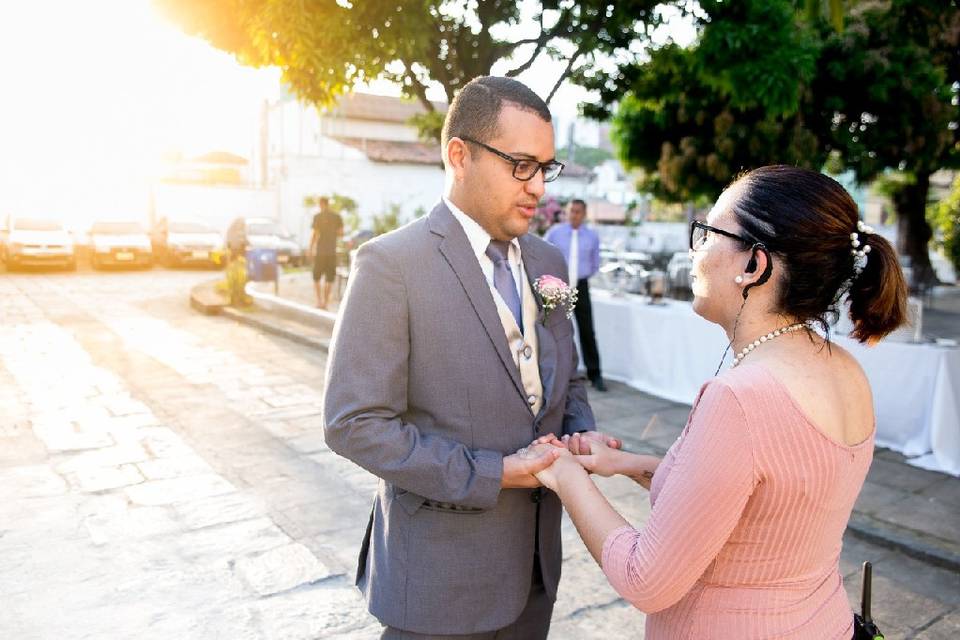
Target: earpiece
(752,266)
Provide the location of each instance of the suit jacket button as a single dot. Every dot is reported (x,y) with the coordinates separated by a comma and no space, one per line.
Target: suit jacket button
(531,399)
(527,352)
(535,496)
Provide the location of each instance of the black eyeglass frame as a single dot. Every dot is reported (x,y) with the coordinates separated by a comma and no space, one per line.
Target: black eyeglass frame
(541,166)
(702,225)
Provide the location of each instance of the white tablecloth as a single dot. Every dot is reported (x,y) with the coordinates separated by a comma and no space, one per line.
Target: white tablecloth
(669,351)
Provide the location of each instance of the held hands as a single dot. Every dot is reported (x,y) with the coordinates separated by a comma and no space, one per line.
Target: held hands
(596,452)
(548,458)
(598,455)
(563,464)
(519,469)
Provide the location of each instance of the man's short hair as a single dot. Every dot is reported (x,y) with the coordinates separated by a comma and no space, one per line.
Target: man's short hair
(475,111)
(579,202)
(323,202)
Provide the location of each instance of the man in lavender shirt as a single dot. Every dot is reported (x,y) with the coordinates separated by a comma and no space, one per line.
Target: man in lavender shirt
(581,247)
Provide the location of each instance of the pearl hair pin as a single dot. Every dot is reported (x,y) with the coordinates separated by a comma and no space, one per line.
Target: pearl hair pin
(770,336)
(859,253)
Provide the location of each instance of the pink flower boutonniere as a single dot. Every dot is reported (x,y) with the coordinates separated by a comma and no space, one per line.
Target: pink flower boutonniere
(556,294)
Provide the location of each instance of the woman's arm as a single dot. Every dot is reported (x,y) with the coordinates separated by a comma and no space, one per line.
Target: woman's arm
(700,504)
(592,515)
(602,460)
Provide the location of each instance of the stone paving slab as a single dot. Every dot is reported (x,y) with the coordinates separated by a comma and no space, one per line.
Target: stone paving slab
(281,569)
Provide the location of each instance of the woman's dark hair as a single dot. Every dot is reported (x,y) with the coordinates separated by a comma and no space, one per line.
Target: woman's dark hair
(805,220)
(475,110)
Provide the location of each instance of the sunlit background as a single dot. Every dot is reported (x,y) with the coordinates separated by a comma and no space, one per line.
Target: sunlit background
(95,94)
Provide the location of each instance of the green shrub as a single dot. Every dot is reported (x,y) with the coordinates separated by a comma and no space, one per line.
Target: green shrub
(944,217)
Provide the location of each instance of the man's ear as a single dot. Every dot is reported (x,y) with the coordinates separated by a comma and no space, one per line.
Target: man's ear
(458,156)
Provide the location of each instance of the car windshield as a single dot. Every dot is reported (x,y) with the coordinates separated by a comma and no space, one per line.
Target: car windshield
(189,227)
(116,228)
(36,224)
(266,229)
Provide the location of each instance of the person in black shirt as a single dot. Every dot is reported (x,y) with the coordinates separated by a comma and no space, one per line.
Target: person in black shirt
(327,227)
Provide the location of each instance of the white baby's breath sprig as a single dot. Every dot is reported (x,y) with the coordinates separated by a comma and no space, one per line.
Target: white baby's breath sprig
(555,294)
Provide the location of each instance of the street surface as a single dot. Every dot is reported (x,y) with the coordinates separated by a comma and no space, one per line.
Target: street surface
(163,475)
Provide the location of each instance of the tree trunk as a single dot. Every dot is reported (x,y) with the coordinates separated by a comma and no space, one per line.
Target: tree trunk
(913,230)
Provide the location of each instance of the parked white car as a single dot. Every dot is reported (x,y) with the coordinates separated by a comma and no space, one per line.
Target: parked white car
(119,242)
(37,242)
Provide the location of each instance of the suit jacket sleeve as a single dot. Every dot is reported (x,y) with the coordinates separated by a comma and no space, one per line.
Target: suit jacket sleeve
(577,414)
(365,396)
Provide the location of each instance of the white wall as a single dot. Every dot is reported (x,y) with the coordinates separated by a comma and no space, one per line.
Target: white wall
(217,206)
(373,130)
(373,185)
(564,187)
(650,237)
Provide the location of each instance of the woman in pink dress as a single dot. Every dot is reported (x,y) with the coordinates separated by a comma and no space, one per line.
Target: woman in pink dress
(750,504)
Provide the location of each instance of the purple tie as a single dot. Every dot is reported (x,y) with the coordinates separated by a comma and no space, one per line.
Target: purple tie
(503,280)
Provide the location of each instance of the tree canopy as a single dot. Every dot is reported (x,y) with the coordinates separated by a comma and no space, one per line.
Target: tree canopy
(692,118)
(769,81)
(326,47)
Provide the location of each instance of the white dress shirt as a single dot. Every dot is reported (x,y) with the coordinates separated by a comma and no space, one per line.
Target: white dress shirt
(479,241)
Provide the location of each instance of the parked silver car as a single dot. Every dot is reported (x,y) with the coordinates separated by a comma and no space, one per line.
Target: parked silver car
(36,242)
(121,242)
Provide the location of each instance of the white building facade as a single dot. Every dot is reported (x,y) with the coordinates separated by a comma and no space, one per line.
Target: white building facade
(363,148)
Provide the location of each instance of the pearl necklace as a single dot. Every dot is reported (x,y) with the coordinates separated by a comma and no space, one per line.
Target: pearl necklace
(770,336)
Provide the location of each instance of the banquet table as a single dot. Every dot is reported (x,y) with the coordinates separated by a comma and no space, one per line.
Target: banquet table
(668,351)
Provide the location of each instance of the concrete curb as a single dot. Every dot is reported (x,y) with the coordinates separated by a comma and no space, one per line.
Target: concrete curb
(904,540)
(259,320)
(268,317)
(205,298)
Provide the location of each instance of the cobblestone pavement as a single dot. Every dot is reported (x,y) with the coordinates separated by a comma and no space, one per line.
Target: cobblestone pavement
(163,475)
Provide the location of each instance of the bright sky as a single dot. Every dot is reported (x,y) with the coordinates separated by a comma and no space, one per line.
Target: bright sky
(95,92)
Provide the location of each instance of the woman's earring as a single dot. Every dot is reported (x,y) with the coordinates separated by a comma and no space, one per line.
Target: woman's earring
(738,279)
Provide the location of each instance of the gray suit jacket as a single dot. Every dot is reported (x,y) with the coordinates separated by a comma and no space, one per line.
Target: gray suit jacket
(422,391)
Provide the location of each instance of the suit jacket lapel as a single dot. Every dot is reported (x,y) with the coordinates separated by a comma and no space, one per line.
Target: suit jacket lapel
(456,249)
(547,347)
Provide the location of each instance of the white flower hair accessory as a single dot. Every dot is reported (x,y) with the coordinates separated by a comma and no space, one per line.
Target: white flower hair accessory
(555,294)
(859,250)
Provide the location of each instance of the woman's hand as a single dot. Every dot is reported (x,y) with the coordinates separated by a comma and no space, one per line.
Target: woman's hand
(552,476)
(594,454)
(593,451)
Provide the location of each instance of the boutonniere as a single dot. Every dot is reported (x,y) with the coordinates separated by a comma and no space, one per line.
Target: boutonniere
(555,294)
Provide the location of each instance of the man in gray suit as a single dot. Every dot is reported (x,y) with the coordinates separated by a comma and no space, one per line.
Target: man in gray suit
(442,365)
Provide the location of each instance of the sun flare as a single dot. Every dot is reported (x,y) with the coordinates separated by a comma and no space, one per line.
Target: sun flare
(96,93)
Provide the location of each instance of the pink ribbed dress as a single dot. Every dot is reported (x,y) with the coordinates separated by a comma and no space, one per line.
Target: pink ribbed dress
(749,509)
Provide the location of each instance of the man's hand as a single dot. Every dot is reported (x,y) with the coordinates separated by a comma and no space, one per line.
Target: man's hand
(519,468)
(582,444)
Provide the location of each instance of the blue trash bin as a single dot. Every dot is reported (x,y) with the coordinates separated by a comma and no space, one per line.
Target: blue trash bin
(262,265)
